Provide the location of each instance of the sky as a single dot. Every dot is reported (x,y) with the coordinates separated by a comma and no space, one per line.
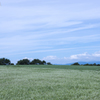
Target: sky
(57,31)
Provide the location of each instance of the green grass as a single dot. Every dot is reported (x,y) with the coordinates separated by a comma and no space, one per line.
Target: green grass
(39,82)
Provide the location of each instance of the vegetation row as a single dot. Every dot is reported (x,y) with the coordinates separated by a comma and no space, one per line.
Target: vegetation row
(87,64)
(4,61)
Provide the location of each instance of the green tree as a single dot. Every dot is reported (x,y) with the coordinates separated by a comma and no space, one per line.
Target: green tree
(23,62)
(94,64)
(12,64)
(49,63)
(86,64)
(76,63)
(43,62)
(36,62)
(4,61)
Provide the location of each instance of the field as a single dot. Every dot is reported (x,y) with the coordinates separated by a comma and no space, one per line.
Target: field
(44,82)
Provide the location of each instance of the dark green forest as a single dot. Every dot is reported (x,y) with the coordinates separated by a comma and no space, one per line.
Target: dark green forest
(5,61)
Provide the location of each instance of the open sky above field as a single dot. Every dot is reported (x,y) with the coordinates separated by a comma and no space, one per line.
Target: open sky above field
(59,31)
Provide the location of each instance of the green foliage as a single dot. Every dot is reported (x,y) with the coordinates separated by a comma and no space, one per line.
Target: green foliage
(49,63)
(12,64)
(92,64)
(4,61)
(36,62)
(43,62)
(23,62)
(33,62)
(76,63)
(86,64)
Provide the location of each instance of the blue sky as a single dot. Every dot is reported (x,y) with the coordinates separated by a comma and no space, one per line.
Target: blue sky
(58,31)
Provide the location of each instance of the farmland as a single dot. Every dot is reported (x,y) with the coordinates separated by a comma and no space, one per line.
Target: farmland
(49,82)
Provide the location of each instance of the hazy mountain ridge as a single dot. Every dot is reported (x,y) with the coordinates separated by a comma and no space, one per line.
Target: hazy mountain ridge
(90,62)
(81,62)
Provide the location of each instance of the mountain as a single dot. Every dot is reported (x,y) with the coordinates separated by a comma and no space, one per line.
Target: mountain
(80,62)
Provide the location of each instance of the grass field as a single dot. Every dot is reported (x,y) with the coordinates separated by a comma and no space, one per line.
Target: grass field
(39,82)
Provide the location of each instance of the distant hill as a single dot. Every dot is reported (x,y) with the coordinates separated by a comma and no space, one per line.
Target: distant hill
(80,62)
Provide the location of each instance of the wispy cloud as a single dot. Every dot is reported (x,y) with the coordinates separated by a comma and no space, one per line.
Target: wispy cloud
(57,15)
(43,27)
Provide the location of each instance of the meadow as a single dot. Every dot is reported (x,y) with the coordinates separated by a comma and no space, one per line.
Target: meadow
(49,82)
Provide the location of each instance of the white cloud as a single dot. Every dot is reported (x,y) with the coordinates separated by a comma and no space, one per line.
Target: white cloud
(50,58)
(96,54)
(28,58)
(73,57)
(35,26)
(80,56)
(85,57)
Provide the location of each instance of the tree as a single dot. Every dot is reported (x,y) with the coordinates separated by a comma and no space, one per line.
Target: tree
(49,63)
(94,64)
(36,62)
(86,64)
(43,62)
(23,62)
(12,64)
(76,63)
(4,61)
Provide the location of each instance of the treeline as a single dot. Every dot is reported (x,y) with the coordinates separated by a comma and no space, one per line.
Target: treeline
(76,63)
(4,61)
(33,62)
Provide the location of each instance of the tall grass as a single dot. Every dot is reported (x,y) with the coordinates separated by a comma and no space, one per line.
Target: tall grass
(49,82)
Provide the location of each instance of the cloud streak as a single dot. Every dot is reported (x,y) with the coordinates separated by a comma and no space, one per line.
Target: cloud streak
(19,17)
(52,27)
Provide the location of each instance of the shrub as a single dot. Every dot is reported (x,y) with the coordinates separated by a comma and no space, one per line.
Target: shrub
(4,61)
(49,63)
(23,62)
(76,63)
